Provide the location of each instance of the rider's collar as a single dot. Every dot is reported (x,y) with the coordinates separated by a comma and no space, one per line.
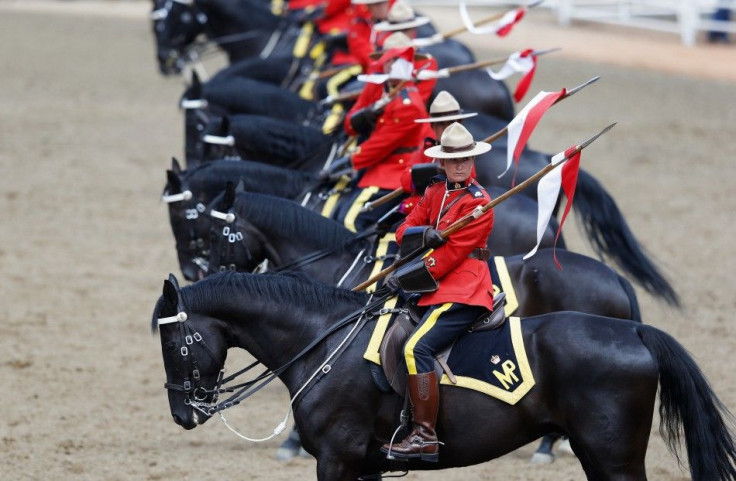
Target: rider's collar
(449,185)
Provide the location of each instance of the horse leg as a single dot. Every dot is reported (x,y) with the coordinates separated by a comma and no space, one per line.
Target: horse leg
(543,454)
(290,447)
(611,444)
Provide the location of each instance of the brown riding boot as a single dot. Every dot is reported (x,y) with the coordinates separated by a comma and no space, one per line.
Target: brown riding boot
(424,394)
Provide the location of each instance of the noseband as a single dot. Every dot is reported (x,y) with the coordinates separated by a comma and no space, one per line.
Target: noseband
(192,211)
(195,394)
(232,236)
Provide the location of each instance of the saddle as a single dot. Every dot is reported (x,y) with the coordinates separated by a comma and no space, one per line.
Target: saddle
(392,360)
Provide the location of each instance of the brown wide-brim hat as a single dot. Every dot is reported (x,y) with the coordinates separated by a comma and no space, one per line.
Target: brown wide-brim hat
(397,40)
(445,108)
(457,143)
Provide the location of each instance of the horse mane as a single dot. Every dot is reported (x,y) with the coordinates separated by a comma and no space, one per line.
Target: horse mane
(257,177)
(285,218)
(225,289)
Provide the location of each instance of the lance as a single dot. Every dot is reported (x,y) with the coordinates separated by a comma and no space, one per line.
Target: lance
(480,210)
(490,139)
(445,72)
(452,33)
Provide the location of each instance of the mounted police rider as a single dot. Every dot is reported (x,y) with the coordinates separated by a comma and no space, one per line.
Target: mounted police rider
(453,278)
(443,112)
(388,107)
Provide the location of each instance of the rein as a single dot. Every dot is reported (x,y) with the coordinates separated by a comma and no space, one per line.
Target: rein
(246,389)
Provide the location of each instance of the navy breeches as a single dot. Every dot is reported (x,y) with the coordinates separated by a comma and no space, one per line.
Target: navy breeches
(441,324)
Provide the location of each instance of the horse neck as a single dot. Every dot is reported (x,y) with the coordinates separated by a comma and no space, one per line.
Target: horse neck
(274,332)
(233,17)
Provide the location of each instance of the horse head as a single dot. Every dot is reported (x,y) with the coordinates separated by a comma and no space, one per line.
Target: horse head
(188,223)
(193,366)
(176,25)
(235,244)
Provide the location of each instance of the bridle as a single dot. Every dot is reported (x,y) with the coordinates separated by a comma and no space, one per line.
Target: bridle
(196,394)
(195,245)
(232,236)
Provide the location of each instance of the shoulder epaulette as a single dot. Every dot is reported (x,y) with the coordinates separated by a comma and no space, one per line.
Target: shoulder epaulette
(436,179)
(476,190)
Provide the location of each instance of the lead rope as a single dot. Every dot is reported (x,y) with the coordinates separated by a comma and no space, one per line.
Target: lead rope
(324,368)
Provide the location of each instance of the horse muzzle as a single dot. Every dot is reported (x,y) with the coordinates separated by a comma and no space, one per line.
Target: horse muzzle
(170,62)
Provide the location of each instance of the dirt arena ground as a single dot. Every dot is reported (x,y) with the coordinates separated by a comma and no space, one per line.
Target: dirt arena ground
(87,130)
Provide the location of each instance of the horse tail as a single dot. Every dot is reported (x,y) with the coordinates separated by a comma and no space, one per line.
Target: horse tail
(687,402)
(607,230)
(631,294)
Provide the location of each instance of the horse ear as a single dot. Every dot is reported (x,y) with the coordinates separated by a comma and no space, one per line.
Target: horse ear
(171,295)
(174,281)
(174,182)
(175,167)
(225,126)
(229,199)
(196,87)
(240,187)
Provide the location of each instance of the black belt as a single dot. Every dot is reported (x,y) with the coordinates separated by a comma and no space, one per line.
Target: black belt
(480,253)
(404,150)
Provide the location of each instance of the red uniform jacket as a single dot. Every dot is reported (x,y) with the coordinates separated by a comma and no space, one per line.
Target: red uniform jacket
(388,151)
(336,16)
(462,280)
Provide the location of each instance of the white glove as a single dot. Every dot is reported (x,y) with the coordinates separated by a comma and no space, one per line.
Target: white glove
(432,74)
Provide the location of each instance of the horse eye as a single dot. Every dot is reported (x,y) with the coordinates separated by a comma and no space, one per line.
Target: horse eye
(186,17)
(200,242)
(193,244)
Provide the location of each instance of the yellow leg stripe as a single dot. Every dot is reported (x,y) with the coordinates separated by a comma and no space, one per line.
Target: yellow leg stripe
(331,201)
(302,41)
(512,303)
(416,335)
(381,250)
(354,210)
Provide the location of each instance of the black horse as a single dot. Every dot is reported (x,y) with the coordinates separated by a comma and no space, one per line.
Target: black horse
(598,214)
(288,236)
(242,28)
(192,190)
(596,381)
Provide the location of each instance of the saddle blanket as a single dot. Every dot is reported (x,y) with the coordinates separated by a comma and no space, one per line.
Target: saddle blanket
(492,362)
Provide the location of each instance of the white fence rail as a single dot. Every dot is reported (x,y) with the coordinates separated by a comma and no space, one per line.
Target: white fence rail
(683,17)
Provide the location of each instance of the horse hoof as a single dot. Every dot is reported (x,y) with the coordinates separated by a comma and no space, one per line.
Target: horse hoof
(286,453)
(565,447)
(304,454)
(542,458)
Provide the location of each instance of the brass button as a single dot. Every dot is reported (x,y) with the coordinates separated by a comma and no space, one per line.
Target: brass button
(401,161)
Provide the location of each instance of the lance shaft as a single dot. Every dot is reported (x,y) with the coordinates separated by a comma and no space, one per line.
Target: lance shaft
(492,18)
(480,210)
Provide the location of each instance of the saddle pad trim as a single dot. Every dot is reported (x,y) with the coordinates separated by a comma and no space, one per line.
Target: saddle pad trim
(526,373)
(371,352)
(354,210)
(381,250)
(512,303)
(331,201)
